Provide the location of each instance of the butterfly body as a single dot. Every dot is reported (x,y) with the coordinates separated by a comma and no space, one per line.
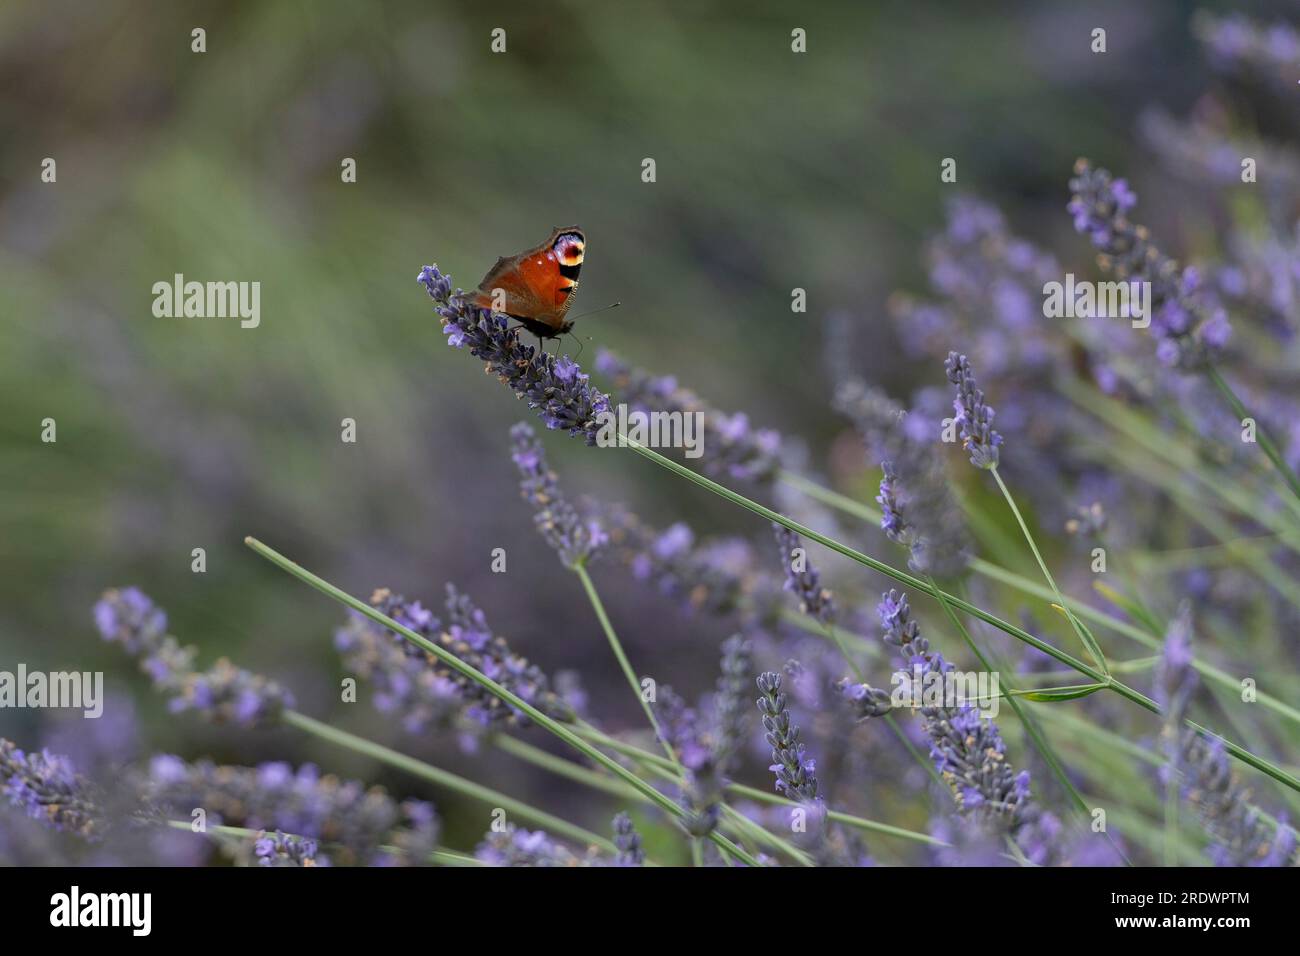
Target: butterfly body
(536,286)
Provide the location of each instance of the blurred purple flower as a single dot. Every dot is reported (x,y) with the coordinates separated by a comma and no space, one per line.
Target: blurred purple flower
(361,825)
(628,842)
(47,788)
(733,448)
(515,846)
(714,576)
(224,694)
(1235,42)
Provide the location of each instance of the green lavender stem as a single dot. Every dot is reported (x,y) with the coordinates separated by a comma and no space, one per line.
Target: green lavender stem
(625,665)
(1083,633)
(1266,443)
(580,569)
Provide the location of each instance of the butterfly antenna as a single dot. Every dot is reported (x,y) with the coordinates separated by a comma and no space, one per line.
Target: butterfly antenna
(603,308)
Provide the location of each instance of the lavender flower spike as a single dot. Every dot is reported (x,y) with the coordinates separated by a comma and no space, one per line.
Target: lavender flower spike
(892,520)
(974,419)
(47,789)
(1240,836)
(968,751)
(573,539)
(1187,327)
(628,842)
(801,578)
(796,774)
(224,694)
(729,718)
(418,687)
(557,388)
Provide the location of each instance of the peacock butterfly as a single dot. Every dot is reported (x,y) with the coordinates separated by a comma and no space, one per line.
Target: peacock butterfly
(536,286)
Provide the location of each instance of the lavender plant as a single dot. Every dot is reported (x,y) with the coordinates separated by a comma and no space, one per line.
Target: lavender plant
(1123,445)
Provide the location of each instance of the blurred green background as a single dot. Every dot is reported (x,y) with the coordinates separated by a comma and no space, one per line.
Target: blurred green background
(774,171)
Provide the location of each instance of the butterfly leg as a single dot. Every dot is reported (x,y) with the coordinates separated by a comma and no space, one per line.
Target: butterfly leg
(579,341)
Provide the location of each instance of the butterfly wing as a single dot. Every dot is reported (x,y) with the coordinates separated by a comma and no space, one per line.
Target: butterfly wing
(536,285)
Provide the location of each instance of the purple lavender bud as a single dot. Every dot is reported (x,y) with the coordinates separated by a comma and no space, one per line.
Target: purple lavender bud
(628,842)
(357,822)
(435,283)
(573,539)
(280,849)
(47,788)
(224,694)
(892,521)
(796,773)
(801,578)
(560,392)
(900,629)
(974,418)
